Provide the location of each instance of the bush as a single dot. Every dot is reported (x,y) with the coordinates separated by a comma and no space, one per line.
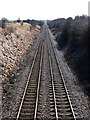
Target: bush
(3,22)
(73,40)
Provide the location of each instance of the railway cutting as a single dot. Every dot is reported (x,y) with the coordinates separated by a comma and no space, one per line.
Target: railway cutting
(45,95)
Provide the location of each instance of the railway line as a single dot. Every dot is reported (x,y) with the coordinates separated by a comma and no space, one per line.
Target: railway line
(45,95)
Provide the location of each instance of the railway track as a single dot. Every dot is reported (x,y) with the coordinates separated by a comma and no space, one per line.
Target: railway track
(28,103)
(45,98)
(63,103)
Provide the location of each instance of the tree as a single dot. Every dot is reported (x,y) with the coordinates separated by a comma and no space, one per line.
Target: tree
(4,20)
(19,20)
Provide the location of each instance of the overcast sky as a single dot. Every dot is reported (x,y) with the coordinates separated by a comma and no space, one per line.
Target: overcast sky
(42,9)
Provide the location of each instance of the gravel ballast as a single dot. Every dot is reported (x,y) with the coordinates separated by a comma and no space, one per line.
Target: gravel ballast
(80,101)
(12,98)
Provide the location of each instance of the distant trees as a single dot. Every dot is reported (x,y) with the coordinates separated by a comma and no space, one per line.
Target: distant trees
(34,22)
(18,20)
(3,22)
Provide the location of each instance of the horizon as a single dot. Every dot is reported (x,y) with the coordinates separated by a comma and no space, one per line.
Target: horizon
(45,19)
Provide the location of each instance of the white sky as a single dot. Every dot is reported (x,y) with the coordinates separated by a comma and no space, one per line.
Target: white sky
(42,9)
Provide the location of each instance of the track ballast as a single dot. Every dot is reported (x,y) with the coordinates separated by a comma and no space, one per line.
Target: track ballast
(45,95)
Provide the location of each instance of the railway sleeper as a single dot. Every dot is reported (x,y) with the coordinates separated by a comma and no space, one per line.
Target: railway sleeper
(65,114)
(60,87)
(25,118)
(28,106)
(27,114)
(29,102)
(29,99)
(63,106)
(62,99)
(26,110)
(32,87)
(59,93)
(31,96)
(51,106)
(63,102)
(31,93)
(59,97)
(64,109)
(52,113)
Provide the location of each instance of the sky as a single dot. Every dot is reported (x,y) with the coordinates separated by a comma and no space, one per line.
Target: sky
(42,9)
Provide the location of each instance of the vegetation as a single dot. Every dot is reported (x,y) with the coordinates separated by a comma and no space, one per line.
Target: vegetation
(3,21)
(34,22)
(72,36)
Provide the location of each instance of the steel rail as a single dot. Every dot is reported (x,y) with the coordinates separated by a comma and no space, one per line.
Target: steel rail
(60,71)
(27,82)
(52,77)
(39,78)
